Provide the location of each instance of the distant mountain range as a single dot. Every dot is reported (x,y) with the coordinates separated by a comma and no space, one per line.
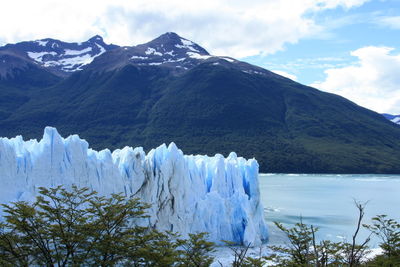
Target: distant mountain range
(171,89)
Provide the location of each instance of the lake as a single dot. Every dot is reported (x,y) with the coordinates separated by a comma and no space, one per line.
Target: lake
(327,201)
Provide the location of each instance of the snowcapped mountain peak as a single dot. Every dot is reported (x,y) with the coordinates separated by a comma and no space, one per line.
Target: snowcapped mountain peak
(169,50)
(171,41)
(60,57)
(171,47)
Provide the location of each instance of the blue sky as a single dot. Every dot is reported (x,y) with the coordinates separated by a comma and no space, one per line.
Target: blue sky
(374,24)
(346,47)
(345,30)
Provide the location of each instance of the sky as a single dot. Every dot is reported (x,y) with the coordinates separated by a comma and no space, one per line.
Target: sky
(346,47)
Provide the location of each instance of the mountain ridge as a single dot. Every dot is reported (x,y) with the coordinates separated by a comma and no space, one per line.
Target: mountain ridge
(392,118)
(60,58)
(215,105)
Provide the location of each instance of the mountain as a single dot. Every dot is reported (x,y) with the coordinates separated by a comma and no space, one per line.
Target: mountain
(60,58)
(172,90)
(392,118)
(169,51)
(189,194)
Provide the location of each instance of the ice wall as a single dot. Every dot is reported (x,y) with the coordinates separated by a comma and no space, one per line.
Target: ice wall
(188,193)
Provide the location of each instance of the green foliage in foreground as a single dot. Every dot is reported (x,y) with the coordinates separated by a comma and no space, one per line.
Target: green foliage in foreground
(303,249)
(388,230)
(81,228)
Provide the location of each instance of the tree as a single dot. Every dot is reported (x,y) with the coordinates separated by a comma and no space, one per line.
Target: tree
(388,230)
(81,228)
(304,250)
(298,251)
(354,252)
(70,228)
(157,249)
(195,251)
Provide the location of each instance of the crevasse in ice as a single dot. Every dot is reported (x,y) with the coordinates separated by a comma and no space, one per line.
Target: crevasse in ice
(188,193)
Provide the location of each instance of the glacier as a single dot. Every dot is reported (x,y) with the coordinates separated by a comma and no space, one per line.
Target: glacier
(187,193)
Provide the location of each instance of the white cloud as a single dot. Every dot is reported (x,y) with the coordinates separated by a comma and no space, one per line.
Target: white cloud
(225,27)
(374,82)
(392,22)
(285,74)
(343,3)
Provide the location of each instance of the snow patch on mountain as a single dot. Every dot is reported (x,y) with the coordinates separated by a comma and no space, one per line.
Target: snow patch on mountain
(69,60)
(186,44)
(76,63)
(197,55)
(229,59)
(188,193)
(151,51)
(68,64)
(396,120)
(38,56)
(102,49)
(138,57)
(392,118)
(168,50)
(58,56)
(42,43)
(68,52)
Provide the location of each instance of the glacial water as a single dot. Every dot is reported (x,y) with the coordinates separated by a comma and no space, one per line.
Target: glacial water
(327,201)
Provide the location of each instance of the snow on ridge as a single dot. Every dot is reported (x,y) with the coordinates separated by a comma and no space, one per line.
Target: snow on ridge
(70,61)
(81,60)
(175,60)
(70,64)
(69,52)
(38,56)
(42,43)
(199,193)
(138,57)
(102,49)
(197,55)
(187,47)
(228,59)
(151,50)
(187,42)
(396,120)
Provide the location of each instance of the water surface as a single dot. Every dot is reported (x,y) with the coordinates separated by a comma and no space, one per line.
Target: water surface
(327,201)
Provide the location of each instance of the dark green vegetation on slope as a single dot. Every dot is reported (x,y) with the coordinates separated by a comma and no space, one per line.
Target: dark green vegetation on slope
(286,126)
